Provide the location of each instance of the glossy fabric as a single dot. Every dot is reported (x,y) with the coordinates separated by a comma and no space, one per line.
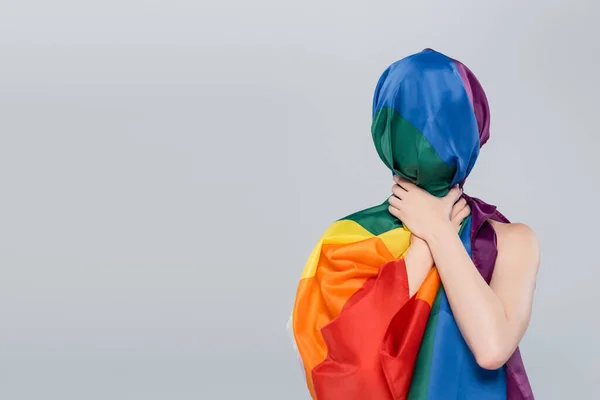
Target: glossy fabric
(426,92)
(357,332)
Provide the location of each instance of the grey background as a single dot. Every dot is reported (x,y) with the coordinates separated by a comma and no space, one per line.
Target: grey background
(166,167)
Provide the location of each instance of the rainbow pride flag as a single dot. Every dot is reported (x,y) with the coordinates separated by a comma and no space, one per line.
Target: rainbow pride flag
(357,332)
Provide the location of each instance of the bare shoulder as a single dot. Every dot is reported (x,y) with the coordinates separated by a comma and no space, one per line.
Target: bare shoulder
(514,233)
(517,240)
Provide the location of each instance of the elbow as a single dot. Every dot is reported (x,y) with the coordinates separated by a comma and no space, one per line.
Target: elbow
(490,362)
(491,358)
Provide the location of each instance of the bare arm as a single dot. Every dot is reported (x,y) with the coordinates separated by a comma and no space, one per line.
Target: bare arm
(419,260)
(493,318)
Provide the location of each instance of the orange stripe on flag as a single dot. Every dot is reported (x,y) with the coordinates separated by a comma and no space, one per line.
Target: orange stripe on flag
(341,271)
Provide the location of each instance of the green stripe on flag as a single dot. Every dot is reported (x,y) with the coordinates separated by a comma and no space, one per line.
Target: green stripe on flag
(408,153)
(419,386)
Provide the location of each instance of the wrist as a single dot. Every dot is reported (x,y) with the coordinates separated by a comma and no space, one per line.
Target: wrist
(441,232)
(419,254)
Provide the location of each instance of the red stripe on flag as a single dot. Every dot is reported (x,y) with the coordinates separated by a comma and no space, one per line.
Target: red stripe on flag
(352,369)
(373,344)
(401,345)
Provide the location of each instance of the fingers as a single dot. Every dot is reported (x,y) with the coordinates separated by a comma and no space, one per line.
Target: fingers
(404,183)
(453,194)
(395,202)
(398,191)
(457,207)
(461,215)
(394,207)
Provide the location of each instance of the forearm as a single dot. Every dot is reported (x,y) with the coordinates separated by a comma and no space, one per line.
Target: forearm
(418,262)
(479,313)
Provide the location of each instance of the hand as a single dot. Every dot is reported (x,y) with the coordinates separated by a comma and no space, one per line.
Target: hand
(419,249)
(460,211)
(422,213)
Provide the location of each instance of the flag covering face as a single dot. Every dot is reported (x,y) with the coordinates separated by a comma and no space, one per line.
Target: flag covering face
(358,334)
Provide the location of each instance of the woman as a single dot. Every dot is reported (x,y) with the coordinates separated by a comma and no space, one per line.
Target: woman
(393,303)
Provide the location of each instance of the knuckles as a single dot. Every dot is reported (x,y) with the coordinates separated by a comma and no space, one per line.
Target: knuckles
(461,203)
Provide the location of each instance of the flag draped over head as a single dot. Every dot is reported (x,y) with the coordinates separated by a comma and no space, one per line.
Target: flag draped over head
(358,333)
